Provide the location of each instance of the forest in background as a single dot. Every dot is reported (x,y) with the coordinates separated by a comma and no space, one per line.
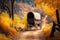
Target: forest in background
(46,5)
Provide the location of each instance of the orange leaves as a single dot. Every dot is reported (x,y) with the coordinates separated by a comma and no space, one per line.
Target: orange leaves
(16,21)
(38,6)
(54,18)
(20,23)
(48,8)
(37,1)
(47,29)
(3,37)
(6,23)
(5,19)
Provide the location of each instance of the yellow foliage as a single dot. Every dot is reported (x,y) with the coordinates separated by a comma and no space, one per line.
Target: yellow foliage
(23,26)
(47,29)
(4,18)
(48,9)
(20,23)
(16,21)
(3,37)
(38,6)
(37,1)
(24,21)
(16,18)
(6,23)
(54,18)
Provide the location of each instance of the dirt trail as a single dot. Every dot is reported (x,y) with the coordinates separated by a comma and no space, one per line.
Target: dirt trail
(30,35)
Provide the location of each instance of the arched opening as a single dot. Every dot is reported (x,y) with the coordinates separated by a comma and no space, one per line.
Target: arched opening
(30,18)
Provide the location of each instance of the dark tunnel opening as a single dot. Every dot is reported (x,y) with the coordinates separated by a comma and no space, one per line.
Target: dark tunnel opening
(30,18)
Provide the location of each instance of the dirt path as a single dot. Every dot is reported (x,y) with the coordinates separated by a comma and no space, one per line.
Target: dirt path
(30,35)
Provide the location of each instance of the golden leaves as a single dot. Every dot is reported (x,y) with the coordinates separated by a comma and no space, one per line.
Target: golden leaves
(37,1)
(47,29)
(20,23)
(6,23)
(3,37)
(49,8)
(5,19)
